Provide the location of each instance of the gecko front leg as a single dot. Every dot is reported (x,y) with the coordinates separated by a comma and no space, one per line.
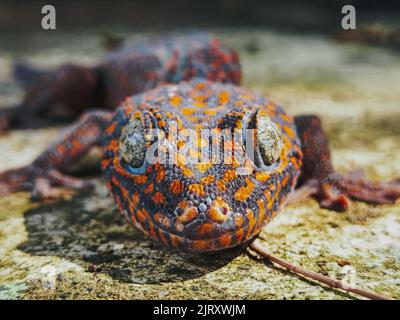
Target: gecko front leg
(319,179)
(46,171)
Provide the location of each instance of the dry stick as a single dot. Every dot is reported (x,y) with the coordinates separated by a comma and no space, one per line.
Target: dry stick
(333,283)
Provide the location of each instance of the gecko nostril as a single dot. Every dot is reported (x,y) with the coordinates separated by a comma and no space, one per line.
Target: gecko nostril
(219,210)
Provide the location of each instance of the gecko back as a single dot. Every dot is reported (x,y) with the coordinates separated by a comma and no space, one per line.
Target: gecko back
(65,92)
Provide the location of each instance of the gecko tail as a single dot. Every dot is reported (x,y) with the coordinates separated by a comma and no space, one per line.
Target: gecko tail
(25,74)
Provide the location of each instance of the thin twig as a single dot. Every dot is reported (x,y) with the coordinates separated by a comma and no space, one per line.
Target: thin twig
(331,282)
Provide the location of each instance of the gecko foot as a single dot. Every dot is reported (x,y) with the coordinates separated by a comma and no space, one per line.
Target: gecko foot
(41,183)
(335,192)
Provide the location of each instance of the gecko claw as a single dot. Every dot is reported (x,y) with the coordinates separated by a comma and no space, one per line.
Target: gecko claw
(339,203)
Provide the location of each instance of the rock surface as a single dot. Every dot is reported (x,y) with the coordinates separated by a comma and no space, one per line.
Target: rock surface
(81,248)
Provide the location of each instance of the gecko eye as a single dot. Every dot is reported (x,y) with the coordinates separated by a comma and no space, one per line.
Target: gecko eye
(269,140)
(132,144)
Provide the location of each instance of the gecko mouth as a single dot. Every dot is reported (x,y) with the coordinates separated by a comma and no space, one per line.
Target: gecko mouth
(216,229)
(205,243)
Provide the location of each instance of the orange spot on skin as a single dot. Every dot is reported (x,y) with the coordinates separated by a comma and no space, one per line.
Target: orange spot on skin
(202,245)
(278,189)
(179,226)
(111,128)
(203,167)
(285,180)
(125,192)
(61,149)
(271,110)
(176,101)
(221,185)
(289,131)
(200,85)
(193,119)
(142,179)
(161,219)
(187,172)
(142,216)
(205,229)
(183,204)
(239,103)
(149,188)
(160,175)
(207,179)
(225,241)
(200,97)
(238,220)
(223,97)
(295,162)
(239,235)
(133,218)
(180,144)
(171,116)
(270,204)
(261,210)
(210,112)
(158,198)
(113,146)
(175,241)
(176,187)
(267,195)
(135,199)
(287,118)
(199,104)
(151,230)
(244,192)
(105,163)
(188,215)
(197,189)
(181,159)
(76,145)
(262,176)
(252,222)
(230,175)
(188,111)
(238,124)
(161,124)
(163,238)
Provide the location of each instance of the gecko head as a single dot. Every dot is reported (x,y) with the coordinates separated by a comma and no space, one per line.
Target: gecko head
(184,200)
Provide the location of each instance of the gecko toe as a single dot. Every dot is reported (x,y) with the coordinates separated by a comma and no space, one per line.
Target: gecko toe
(339,203)
(364,190)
